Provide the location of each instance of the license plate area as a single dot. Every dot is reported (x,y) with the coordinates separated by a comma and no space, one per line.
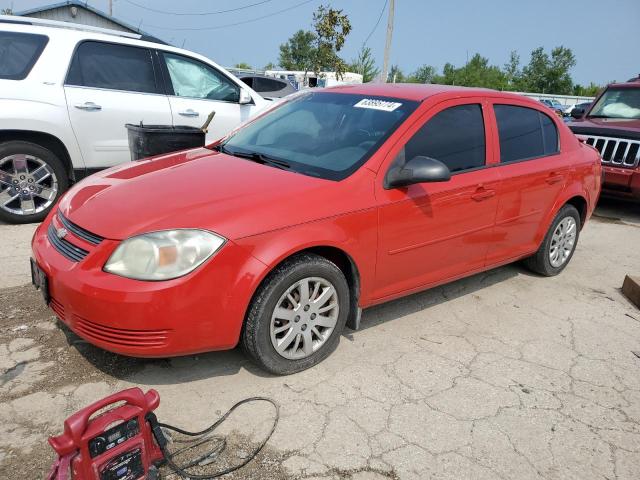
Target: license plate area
(39,280)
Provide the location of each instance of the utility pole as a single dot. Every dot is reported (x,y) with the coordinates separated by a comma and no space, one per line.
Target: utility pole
(387,45)
(111,8)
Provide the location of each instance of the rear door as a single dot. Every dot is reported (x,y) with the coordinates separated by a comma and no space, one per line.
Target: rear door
(533,173)
(196,89)
(107,86)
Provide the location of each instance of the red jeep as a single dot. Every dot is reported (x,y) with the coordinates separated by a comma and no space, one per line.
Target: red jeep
(612,125)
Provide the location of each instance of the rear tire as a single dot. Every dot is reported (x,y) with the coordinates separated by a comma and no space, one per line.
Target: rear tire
(288,330)
(558,245)
(32,179)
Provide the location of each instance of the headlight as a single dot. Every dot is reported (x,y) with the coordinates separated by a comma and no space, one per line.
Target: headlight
(163,255)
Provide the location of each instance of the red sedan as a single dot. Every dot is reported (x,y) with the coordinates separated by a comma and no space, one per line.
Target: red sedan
(278,235)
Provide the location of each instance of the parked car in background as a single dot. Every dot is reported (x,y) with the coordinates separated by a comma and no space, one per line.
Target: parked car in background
(68,90)
(333,201)
(612,126)
(268,87)
(579,109)
(554,105)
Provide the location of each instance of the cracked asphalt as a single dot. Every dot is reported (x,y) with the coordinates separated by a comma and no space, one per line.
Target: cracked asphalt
(503,375)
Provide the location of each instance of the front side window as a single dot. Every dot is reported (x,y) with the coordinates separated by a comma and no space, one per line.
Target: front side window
(618,103)
(524,133)
(455,136)
(18,53)
(322,134)
(193,79)
(112,66)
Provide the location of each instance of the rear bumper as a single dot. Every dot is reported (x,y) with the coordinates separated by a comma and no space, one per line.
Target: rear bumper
(623,182)
(202,311)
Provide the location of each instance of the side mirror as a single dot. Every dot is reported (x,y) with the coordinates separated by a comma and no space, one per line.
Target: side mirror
(245,97)
(417,170)
(577,112)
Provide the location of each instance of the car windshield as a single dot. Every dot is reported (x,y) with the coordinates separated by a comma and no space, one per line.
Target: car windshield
(322,134)
(618,103)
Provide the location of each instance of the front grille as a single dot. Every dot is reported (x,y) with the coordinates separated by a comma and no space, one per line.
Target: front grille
(618,152)
(66,248)
(79,232)
(120,336)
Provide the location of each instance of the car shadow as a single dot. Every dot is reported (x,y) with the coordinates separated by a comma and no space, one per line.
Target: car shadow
(169,371)
(617,210)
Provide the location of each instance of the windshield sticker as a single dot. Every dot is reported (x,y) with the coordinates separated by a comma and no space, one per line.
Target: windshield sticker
(377,104)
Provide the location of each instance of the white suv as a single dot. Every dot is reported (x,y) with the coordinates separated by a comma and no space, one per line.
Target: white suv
(66,92)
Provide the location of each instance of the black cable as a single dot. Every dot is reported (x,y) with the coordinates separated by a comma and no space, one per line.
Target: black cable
(197,14)
(181,470)
(216,27)
(384,7)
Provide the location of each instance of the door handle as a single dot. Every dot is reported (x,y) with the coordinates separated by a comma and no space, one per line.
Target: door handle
(189,113)
(88,106)
(483,194)
(554,178)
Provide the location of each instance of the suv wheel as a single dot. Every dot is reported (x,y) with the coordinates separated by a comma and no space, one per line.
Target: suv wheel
(297,315)
(558,245)
(32,178)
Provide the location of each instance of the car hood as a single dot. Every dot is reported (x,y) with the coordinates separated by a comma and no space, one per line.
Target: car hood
(205,189)
(606,126)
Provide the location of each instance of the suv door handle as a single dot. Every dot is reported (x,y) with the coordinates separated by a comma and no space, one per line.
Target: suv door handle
(189,113)
(89,106)
(483,194)
(554,178)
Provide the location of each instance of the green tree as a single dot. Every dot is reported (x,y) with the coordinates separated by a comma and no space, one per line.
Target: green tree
(424,74)
(512,73)
(243,66)
(6,11)
(331,29)
(546,74)
(365,65)
(476,73)
(270,66)
(590,90)
(298,52)
(395,75)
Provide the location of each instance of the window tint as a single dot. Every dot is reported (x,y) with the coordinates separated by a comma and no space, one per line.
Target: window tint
(18,53)
(454,136)
(116,67)
(268,85)
(194,79)
(524,133)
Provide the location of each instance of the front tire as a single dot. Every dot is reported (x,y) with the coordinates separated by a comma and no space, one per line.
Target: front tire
(558,245)
(297,315)
(32,178)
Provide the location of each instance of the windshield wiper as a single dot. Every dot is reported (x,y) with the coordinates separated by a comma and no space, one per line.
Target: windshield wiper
(256,157)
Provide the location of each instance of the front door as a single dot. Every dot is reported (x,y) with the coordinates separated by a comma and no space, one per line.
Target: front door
(196,89)
(432,232)
(108,86)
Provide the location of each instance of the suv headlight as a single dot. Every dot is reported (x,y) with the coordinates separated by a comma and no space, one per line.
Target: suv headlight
(163,255)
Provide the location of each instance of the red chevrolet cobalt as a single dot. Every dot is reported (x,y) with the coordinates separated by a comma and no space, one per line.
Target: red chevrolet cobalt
(278,235)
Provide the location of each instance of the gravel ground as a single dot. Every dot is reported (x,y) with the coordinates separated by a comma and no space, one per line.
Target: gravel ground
(504,375)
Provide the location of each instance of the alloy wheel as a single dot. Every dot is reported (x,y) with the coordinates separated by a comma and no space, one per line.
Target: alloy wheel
(562,241)
(28,185)
(304,318)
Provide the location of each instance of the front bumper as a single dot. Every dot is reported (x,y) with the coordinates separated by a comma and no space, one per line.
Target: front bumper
(199,312)
(623,182)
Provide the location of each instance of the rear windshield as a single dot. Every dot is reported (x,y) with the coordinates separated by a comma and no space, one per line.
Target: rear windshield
(323,134)
(18,53)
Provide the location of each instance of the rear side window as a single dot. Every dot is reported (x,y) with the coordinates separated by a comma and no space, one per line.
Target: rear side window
(524,133)
(268,85)
(455,136)
(115,67)
(19,53)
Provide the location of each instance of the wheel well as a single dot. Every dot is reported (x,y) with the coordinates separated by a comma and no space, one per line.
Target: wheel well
(581,205)
(343,261)
(44,140)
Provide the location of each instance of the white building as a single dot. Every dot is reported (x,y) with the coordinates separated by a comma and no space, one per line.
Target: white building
(301,79)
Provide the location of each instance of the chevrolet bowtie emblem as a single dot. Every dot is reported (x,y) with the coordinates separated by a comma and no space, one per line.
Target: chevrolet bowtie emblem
(61,232)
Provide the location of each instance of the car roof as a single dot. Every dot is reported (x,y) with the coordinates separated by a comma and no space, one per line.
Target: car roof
(415,91)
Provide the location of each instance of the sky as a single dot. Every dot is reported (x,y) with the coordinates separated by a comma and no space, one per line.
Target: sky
(604,35)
